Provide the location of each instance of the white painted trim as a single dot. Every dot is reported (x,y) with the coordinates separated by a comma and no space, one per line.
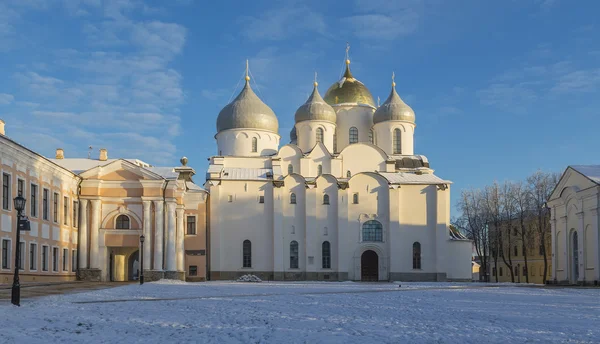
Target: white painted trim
(9,255)
(47,258)
(10,189)
(195,216)
(37,200)
(58,256)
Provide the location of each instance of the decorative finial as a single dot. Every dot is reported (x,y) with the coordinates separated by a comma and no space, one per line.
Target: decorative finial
(247,69)
(378,101)
(393,79)
(316,83)
(183,161)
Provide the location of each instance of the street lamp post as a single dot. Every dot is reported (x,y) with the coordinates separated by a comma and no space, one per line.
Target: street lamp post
(16,287)
(142,259)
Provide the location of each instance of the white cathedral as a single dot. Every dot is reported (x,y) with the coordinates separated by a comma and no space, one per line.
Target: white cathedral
(346,199)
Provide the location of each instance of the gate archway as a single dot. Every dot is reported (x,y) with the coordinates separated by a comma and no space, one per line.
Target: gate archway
(369,266)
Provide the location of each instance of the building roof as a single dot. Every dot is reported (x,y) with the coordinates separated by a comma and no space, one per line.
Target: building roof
(349,90)
(235,173)
(315,109)
(247,111)
(413,178)
(394,109)
(592,172)
(79,165)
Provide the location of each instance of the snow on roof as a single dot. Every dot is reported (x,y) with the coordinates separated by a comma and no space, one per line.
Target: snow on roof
(194,187)
(413,178)
(214,169)
(235,173)
(79,165)
(590,171)
(165,172)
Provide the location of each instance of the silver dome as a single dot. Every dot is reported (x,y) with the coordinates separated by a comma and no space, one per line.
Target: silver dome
(293,136)
(315,109)
(394,109)
(247,111)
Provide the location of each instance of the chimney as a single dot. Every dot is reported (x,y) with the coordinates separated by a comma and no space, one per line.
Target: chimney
(2,127)
(60,153)
(103,154)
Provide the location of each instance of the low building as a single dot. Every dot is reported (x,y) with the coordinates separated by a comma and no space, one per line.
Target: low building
(575,227)
(87,217)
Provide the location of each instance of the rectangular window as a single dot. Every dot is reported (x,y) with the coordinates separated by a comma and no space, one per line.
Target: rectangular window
(516,271)
(230,198)
(191,225)
(32,256)
(45,205)
(5,254)
(193,270)
(6,191)
(65,210)
(516,251)
(261,199)
(44,258)
(501,271)
(22,255)
(74,260)
(20,187)
(33,202)
(55,200)
(55,259)
(75,213)
(65,259)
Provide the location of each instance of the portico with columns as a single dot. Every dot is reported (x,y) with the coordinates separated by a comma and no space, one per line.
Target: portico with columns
(119,201)
(574,206)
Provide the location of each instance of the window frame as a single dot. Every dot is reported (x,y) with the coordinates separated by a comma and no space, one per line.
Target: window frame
(6,253)
(33,256)
(55,206)
(355,199)
(195,270)
(45,257)
(417,256)
(397,141)
(319,135)
(254,145)
(21,185)
(247,254)
(294,255)
(6,190)
(353,135)
(74,260)
(45,204)
(319,170)
(55,258)
(293,198)
(119,224)
(371,231)
(326,255)
(290,169)
(187,225)
(65,260)
(261,199)
(326,199)
(33,204)
(75,219)
(66,216)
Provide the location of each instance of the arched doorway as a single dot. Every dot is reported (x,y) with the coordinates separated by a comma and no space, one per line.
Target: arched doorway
(133,266)
(575,257)
(369,266)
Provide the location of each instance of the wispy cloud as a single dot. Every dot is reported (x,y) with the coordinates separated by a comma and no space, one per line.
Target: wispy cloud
(383,20)
(281,23)
(117,91)
(6,99)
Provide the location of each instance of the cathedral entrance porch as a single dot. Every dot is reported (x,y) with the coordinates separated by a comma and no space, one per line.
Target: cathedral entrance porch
(123,264)
(369,266)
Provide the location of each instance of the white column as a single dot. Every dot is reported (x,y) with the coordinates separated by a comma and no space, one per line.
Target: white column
(554,247)
(94,235)
(180,249)
(158,235)
(83,234)
(311,232)
(580,247)
(170,239)
(278,230)
(596,241)
(565,253)
(147,229)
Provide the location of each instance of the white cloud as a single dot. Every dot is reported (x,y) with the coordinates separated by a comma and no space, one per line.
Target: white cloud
(282,23)
(578,81)
(383,20)
(6,99)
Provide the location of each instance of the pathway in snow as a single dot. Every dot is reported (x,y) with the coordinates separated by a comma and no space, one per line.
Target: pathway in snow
(226,312)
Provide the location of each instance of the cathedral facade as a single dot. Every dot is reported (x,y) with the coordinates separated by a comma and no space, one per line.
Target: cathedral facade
(345,199)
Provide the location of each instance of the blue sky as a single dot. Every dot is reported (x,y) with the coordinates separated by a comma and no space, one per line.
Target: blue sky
(500,89)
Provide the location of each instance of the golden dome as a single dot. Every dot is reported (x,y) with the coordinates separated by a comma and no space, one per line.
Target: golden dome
(394,109)
(247,111)
(349,90)
(315,109)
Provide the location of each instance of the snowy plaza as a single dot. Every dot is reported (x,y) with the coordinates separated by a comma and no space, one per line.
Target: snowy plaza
(308,312)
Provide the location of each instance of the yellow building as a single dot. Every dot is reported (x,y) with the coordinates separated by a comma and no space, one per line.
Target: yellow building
(534,269)
(87,216)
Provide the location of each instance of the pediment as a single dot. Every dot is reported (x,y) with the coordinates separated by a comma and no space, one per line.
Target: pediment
(319,151)
(570,179)
(120,170)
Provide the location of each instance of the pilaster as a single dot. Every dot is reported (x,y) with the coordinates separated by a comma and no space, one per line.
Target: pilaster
(581,248)
(83,234)
(147,230)
(180,250)
(94,235)
(158,235)
(170,237)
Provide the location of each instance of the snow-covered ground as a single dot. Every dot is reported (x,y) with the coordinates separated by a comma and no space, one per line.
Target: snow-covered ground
(308,312)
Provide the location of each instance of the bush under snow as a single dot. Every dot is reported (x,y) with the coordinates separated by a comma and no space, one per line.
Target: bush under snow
(249,278)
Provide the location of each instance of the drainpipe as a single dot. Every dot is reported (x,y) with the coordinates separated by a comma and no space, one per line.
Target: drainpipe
(164,222)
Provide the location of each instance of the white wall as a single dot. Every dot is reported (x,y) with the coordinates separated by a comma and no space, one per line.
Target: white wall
(307,134)
(238,142)
(384,136)
(348,116)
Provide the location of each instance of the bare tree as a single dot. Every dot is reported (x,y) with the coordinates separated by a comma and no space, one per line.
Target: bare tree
(522,201)
(473,223)
(494,199)
(541,185)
